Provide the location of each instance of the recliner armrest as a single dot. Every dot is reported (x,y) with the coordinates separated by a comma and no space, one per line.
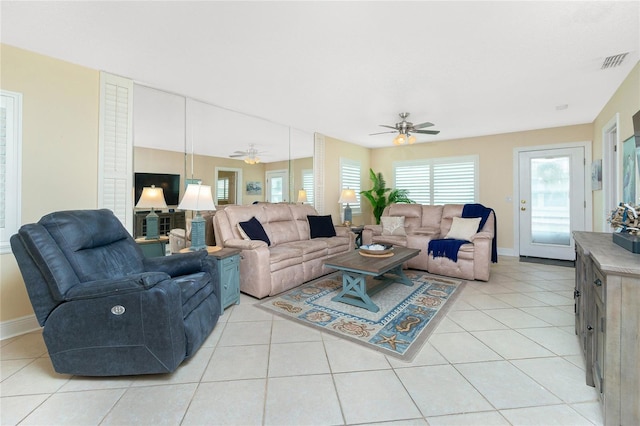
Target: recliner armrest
(177,264)
(108,287)
(245,244)
(482,235)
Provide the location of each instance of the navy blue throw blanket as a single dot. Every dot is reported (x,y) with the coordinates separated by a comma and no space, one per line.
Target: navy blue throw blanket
(446,248)
(449,247)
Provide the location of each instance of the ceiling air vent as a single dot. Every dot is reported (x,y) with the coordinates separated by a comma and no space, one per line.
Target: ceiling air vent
(613,61)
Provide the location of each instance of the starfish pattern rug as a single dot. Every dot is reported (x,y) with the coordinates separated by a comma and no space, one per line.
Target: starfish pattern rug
(407,315)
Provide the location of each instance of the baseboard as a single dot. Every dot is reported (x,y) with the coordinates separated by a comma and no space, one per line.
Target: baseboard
(507,252)
(18,326)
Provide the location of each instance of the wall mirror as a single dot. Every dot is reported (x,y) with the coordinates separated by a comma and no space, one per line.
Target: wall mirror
(177,134)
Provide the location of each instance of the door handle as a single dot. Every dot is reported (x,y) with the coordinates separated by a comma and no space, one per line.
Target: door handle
(523,208)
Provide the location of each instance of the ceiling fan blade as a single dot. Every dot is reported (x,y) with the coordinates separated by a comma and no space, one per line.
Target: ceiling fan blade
(422,125)
(390,127)
(380,133)
(427,132)
(237,155)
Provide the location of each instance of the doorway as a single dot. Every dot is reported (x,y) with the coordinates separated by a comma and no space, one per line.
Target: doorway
(277,186)
(551,201)
(228,185)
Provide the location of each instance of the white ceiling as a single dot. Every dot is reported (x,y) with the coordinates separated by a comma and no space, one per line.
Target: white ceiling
(342,68)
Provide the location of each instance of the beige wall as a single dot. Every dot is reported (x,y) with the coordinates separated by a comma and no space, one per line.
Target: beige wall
(59,148)
(625,103)
(495,164)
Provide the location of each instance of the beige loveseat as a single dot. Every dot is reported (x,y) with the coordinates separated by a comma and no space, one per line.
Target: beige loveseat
(293,256)
(424,223)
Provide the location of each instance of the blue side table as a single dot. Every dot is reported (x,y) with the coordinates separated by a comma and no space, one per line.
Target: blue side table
(229,276)
(228,262)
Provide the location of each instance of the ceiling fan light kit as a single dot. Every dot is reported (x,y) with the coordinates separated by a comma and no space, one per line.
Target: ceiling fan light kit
(405,128)
(251,155)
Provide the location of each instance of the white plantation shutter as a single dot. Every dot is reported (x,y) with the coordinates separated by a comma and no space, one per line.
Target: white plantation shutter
(10,163)
(454,181)
(115,176)
(307,184)
(416,177)
(350,171)
(437,181)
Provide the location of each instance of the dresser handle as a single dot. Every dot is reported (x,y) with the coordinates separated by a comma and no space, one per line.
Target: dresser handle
(589,328)
(597,282)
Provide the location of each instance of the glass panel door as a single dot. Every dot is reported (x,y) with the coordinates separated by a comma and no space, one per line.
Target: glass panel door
(552,201)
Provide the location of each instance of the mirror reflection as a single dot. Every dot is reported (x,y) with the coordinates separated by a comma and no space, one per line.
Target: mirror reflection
(243,158)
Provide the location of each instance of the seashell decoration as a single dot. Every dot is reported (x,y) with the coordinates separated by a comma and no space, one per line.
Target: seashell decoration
(625,218)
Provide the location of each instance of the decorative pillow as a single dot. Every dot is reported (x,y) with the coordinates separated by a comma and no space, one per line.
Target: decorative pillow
(463,229)
(321,226)
(254,230)
(393,225)
(242,233)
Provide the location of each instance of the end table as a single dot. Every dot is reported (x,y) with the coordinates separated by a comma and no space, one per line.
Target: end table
(154,247)
(228,262)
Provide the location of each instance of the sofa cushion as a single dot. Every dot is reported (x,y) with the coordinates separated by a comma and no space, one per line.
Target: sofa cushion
(321,226)
(463,229)
(253,228)
(393,225)
(242,233)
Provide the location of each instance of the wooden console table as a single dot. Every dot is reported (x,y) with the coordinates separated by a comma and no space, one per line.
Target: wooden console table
(607,306)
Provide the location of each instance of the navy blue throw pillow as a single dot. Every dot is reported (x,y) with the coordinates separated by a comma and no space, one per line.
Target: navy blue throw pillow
(254,230)
(321,226)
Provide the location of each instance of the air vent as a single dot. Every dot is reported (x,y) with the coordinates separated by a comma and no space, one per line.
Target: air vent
(613,61)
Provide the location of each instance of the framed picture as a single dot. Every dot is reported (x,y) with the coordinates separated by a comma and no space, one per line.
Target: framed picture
(254,188)
(596,175)
(629,171)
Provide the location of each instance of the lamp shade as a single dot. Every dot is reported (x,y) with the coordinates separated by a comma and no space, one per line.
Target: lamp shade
(197,197)
(152,197)
(348,196)
(302,196)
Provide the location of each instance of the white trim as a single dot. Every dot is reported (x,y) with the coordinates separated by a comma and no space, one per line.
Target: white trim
(318,171)
(18,326)
(588,194)
(610,173)
(239,182)
(13,189)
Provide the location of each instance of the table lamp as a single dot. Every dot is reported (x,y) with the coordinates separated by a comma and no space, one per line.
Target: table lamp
(347,196)
(197,197)
(302,196)
(152,197)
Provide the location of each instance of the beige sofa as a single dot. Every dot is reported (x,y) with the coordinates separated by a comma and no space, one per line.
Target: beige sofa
(291,259)
(425,223)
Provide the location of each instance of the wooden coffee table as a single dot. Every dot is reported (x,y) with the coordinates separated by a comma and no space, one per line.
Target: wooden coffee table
(356,268)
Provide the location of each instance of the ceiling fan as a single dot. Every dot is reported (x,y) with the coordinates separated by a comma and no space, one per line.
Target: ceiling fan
(405,128)
(250,154)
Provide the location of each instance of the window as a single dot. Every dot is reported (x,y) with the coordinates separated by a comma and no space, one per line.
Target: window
(307,184)
(222,192)
(350,178)
(436,181)
(10,152)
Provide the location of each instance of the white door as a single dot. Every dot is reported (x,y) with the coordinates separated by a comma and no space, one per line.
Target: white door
(277,186)
(552,201)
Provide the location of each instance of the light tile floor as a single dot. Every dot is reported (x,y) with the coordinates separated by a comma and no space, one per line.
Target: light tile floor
(505,354)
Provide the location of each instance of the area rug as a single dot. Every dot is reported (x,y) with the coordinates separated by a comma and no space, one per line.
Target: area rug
(407,316)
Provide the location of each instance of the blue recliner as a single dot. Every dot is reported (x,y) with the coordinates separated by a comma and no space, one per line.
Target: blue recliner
(105,308)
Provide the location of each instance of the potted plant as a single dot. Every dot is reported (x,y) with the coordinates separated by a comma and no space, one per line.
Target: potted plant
(380,196)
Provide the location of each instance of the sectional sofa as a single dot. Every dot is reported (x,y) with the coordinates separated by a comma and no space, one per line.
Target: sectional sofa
(416,225)
(293,251)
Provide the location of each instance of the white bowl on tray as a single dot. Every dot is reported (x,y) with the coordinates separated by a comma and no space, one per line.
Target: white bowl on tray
(376,249)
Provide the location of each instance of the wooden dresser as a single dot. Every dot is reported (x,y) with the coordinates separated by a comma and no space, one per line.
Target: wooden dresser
(607,302)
